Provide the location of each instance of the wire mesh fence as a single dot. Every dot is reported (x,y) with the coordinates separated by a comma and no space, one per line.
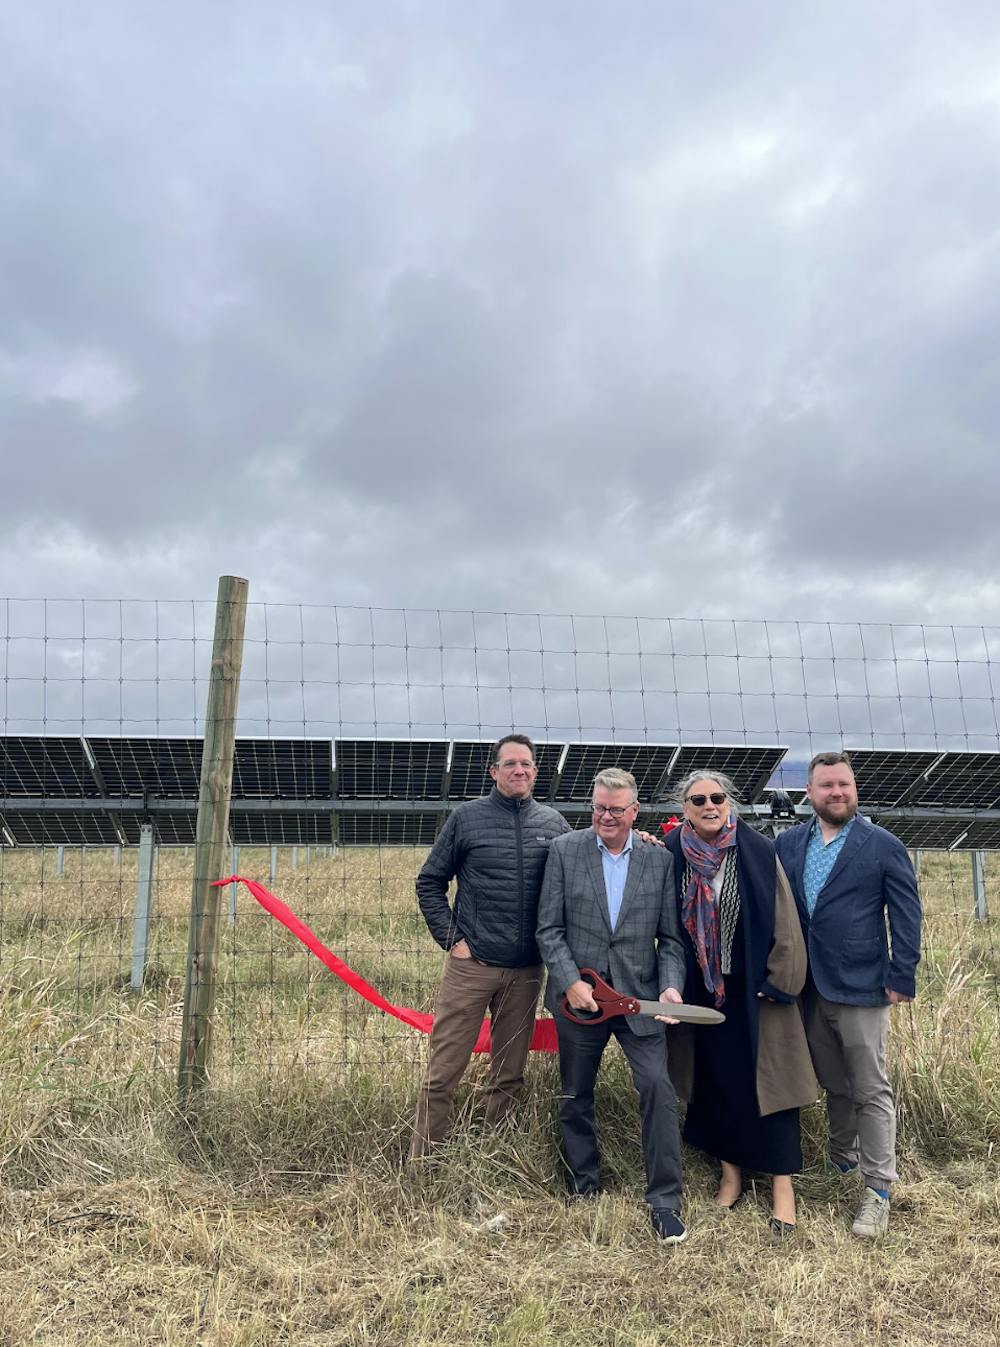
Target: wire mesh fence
(360,729)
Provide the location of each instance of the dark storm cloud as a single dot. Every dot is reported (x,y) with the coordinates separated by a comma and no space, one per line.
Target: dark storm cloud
(666,308)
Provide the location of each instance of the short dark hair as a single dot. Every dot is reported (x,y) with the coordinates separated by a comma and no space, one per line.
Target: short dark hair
(829,760)
(512,739)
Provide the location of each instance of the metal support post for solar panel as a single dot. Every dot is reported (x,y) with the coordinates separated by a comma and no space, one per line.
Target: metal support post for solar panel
(212,832)
(295,858)
(274,864)
(234,869)
(60,861)
(979,884)
(143,907)
(915,861)
(118,856)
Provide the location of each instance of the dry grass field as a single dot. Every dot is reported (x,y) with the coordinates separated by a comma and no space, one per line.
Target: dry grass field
(276,1212)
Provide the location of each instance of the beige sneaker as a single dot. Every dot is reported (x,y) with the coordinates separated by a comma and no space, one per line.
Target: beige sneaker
(873,1216)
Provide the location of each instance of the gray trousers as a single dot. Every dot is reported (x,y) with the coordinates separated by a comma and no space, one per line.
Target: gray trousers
(848,1051)
(468,988)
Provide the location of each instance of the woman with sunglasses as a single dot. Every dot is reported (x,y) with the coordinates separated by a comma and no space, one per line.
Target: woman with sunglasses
(746,1079)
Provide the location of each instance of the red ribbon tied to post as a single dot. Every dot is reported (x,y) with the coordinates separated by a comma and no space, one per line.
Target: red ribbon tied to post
(543,1039)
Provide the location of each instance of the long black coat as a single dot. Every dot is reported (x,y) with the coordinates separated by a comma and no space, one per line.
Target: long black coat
(775,963)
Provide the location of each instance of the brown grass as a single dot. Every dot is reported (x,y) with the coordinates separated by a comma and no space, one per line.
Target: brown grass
(278,1213)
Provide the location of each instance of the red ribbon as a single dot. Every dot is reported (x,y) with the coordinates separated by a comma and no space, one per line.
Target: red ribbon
(543,1039)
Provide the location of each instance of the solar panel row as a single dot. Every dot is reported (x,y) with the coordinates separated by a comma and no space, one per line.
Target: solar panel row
(96,791)
(45,767)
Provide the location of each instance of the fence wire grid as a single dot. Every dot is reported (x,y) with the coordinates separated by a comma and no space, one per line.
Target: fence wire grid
(128,680)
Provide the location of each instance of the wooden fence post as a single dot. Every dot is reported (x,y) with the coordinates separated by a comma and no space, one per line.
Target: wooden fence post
(211,838)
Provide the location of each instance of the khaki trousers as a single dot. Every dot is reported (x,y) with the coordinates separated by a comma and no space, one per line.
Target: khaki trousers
(468,989)
(848,1051)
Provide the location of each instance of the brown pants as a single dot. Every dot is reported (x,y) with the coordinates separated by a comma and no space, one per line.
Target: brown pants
(467,989)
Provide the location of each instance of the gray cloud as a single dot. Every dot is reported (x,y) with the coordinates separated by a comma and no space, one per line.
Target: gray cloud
(670,309)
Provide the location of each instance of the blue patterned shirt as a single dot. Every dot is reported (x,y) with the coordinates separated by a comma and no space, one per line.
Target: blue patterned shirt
(615,874)
(821,857)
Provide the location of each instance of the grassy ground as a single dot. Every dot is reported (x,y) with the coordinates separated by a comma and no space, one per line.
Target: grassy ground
(277,1212)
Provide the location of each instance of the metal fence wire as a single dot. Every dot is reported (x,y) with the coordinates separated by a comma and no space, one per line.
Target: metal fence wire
(360,729)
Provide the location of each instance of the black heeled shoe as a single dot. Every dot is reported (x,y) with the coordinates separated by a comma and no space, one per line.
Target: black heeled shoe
(782,1229)
(741,1199)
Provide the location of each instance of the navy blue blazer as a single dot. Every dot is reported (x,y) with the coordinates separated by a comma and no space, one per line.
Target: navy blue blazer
(851,959)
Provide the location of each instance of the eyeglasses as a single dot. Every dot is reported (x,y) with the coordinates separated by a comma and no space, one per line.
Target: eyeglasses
(616,811)
(717,797)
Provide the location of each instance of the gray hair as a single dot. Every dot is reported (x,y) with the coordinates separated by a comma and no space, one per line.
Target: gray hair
(613,778)
(680,792)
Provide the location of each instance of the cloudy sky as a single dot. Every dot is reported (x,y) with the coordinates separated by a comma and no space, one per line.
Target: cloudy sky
(653,308)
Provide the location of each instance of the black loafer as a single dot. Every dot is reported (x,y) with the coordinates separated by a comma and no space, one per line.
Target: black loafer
(782,1229)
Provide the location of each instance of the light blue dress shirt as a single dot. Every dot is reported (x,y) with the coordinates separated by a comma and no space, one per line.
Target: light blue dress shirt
(821,857)
(615,875)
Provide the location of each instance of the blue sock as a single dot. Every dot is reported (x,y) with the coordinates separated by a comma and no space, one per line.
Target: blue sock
(882,1192)
(846,1167)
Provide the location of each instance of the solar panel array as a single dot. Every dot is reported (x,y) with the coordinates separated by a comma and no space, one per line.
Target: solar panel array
(932,800)
(98,790)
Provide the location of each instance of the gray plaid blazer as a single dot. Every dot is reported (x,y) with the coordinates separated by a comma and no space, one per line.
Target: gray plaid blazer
(643,954)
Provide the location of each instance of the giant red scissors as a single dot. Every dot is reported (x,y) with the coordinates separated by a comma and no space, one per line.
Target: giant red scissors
(611,1003)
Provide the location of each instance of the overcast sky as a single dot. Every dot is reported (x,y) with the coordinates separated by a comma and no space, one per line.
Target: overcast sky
(660,307)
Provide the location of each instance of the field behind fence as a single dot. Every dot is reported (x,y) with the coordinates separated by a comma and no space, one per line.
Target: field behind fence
(277,1005)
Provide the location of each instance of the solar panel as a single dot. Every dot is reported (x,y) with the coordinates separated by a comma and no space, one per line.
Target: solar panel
(983,835)
(928,834)
(390,769)
(53,827)
(646,762)
(885,777)
(176,829)
(470,761)
(168,769)
(284,769)
(264,828)
(387,828)
(748,766)
(578,821)
(962,781)
(39,767)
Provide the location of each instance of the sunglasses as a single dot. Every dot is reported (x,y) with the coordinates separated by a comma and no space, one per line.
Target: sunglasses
(717,797)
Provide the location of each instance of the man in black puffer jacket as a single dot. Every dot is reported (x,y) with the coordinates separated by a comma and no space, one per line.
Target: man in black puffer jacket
(496,848)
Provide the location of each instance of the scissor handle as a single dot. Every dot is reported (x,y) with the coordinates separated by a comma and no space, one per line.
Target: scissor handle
(609,1002)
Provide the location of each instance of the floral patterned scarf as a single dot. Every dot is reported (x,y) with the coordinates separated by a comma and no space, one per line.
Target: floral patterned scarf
(699,910)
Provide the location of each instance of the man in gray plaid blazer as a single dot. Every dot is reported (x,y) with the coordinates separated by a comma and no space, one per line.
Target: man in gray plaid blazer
(608,902)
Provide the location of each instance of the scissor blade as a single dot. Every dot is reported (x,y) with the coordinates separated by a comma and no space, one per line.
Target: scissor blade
(685,1013)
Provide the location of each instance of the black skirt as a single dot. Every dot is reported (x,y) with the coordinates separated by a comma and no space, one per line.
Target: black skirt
(722,1115)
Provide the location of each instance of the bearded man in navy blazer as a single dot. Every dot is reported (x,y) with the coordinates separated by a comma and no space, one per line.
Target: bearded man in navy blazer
(852,880)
